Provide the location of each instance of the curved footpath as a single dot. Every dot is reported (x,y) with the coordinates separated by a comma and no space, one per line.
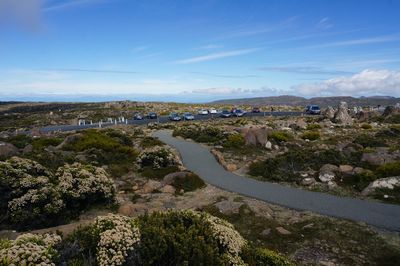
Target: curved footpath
(199,160)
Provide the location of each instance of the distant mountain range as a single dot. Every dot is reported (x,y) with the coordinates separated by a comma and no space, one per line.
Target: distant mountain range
(321,101)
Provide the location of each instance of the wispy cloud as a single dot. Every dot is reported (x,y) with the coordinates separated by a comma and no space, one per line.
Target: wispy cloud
(324,24)
(379,39)
(71,4)
(209,47)
(139,49)
(308,70)
(224,75)
(92,70)
(214,56)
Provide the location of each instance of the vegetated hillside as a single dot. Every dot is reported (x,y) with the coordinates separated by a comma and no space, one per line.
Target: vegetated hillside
(322,101)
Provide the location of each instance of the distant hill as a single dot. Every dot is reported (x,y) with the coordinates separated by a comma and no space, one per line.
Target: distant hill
(322,101)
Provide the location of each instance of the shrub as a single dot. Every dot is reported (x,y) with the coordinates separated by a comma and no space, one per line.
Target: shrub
(313,126)
(41,143)
(204,135)
(30,249)
(159,173)
(389,169)
(280,136)
(369,141)
(234,141)
(361,180)
(366,126)
(394,119)
(150,142)
(20,141)
(189,182)
(256,256)
(311,135)
(157,157)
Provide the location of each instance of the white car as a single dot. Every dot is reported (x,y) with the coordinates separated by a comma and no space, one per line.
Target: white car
(202,112)
(213,111)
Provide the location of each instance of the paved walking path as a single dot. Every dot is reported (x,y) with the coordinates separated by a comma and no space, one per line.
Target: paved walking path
(199,160)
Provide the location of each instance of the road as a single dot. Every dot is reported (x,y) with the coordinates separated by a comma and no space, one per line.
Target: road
(199,160)
(161,119)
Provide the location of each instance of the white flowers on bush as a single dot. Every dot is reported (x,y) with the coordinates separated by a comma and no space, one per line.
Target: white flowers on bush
(78,181)
(30,249)
(118,236)
(157,157)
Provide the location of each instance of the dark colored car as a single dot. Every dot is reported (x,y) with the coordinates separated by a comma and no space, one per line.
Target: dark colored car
(174,117)
(256,110)
(137,116)
(313,110)
(188,116)
(238,113)
(225,114)
(152,115)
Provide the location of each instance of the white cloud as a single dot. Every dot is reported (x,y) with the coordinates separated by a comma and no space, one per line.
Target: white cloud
(324,24)
(237,92)
(367,82)
(379,39)
(215,56)
(71,4)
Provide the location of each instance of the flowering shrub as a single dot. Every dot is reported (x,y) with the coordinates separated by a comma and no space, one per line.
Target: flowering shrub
(30,249)
(31,196)
(156,157)
(81,182)
(117,238)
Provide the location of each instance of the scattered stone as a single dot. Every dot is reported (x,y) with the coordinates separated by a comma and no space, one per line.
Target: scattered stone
(332,184)
(266,232)
(150,186)
(28,149)
(228,207)
(268,145)
(168,189)
(308,226)
(231,167)
(388,183)
(327,172)
(169,179)
(283,231)
(308,181)
(364,116)
(329,113)
(344,168)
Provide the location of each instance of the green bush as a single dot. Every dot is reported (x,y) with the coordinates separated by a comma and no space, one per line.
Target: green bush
(367,140)
(394,119)
(159,173)
(256,256)
(280,136)
(313,126)
(189,182)
(366,126)
(150,142)
(311,135)
(360,181)
(20,141)
(234,141)
(41,143)
(203,135)
(389,169)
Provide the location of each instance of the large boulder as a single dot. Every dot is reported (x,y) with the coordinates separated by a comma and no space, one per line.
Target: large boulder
(170,178)
(388,183)
(228,207)
(380,156)
(8,150)
(69,140)
(342,115)
(364,116)
(328,172)
(391,110)
(329,113)
(254,136)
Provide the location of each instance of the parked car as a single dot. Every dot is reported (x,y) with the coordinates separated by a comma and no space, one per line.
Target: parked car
(174,117)
(137,116)
(238,113)
(256,110)
(213,111)
(152,115)
(203,112)
(313,110)
(188,116)
(225,114)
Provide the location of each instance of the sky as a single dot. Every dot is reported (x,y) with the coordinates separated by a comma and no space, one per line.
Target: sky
(197,51)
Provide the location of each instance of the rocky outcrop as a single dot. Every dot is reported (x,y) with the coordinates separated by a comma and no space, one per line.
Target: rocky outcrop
(364,116)
(380,156)
(8,150)
(388,183)
(69,140)
(342,115)
(391,110)
(254,136)
(228,207)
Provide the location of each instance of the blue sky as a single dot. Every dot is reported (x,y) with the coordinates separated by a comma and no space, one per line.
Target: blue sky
(197,50)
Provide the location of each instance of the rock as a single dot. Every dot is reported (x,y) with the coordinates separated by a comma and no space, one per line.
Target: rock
(342,115)
(344,168)
(231,167)
(150,186)
(8,149)
(218,155)
(268,145)
(69,139)
(282,231)
(391,110)
(276,147)
(380,156)
(266,232)
(169,179)
(255,136)
(126,209)
(332,184)
(168,189)
(81,158)
(364,116)
(329,113)
(27,149)
(388,183)
(358,170)
(308,181)
(301,124)
(327,172)
(228,207)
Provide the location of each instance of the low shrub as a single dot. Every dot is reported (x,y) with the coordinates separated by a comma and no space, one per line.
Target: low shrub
(367,140)
(41,143)
(156,157)
(311,135)
(207,134)
(189,182)
(234,141)
(158,173)
(313,126)
(360,181)
(393,119)
(280,136)
(256,256)
(148,142)
(388,170)
(366,126)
